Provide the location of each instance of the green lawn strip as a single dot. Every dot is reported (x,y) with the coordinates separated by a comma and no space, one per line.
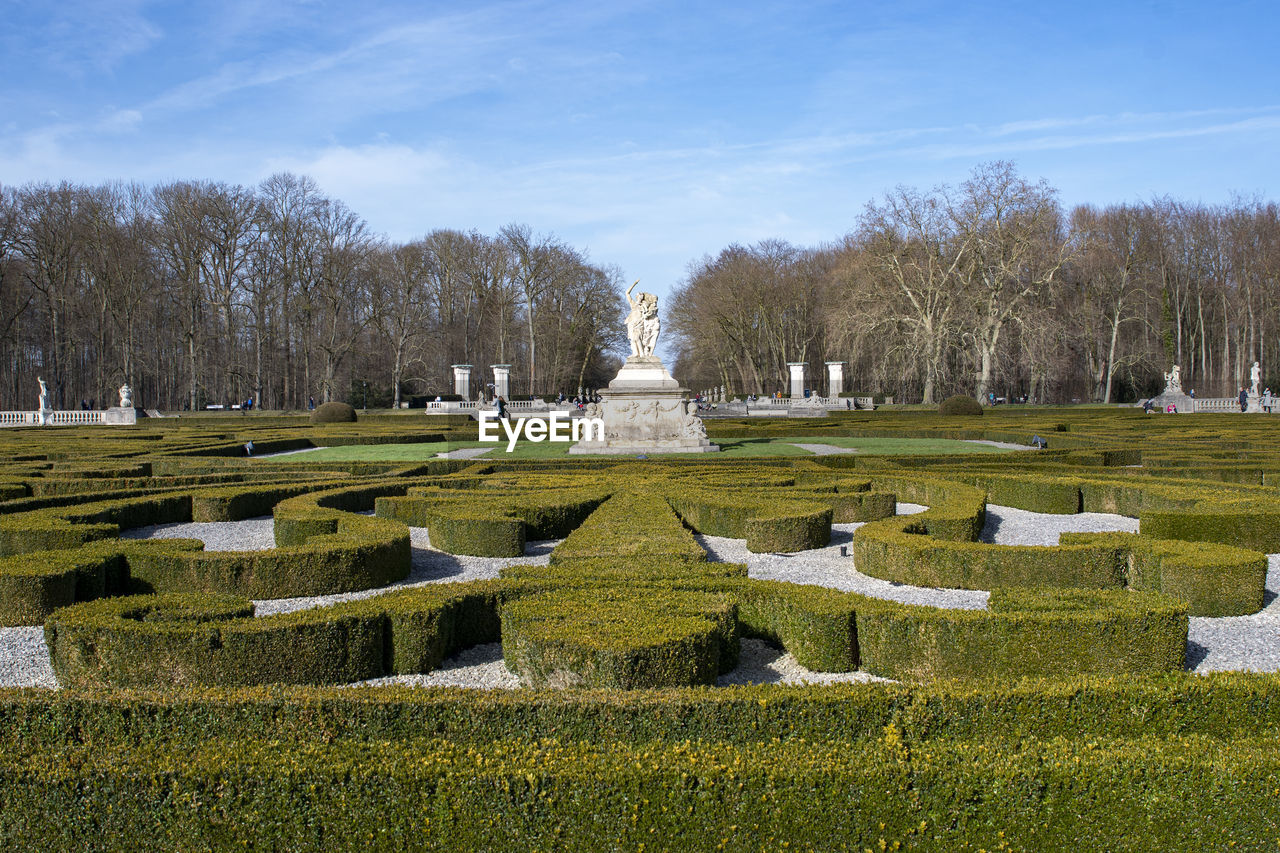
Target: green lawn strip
(737,448)
(897,446)
(373,452)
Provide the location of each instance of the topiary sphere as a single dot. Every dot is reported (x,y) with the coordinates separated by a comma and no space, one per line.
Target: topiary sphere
(960,405)
(333,413)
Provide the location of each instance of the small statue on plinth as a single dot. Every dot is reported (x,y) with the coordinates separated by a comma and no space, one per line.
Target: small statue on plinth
(126,396)
(44,395)
(1173,381)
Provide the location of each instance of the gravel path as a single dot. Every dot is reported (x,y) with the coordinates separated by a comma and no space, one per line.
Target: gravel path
(464,453)
(1236,643)
(24,658)
(252,534)
(1005,444)
(1250,643)
(825,449)
(1008,526)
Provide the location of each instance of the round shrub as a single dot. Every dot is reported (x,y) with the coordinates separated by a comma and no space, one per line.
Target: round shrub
(333,413)
(960,405)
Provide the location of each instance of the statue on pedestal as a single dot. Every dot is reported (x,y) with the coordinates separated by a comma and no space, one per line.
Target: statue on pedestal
(1173,381)
(1255,377)
(126,396)
(643,324)
(643,408)
(44,395)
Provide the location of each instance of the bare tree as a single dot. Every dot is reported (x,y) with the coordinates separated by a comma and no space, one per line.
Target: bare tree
(50,235)
(1015,249)
(404,311)
(534,266)
(1114,249)
(915,253)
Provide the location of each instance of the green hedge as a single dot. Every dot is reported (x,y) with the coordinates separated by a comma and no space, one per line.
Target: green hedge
(183,639)
(644,630)
(617,637)
(490,525)
(901,550)
(1039,633)
(631,526)
(1214,580)
(1225,706)
(768,524)
(424,793)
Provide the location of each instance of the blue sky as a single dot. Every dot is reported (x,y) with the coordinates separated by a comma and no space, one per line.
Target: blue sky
(648,133)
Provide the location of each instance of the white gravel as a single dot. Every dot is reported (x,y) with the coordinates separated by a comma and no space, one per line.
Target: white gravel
(24,658)
(1237,643)
(479,666)
(825,449)
(252,534)
(1008,526)
(760,662)
(1250,643)
(464,453)
(428,566)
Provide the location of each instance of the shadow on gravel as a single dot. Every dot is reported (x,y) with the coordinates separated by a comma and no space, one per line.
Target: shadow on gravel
(1196,654)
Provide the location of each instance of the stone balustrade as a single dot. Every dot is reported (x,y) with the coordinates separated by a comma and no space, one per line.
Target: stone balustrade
(71,417)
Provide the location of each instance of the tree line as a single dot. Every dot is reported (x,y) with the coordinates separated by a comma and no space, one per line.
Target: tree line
(991,288)
(198,292)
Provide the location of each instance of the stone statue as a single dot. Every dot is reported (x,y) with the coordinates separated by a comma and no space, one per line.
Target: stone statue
(691,426)
(126,396)
(1173,381)
(1255,376)
(44,395)
(643,324)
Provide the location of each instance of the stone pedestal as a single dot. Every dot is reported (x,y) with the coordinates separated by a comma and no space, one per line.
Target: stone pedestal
(122,415)
(1254,404)
(501,380)
(1184,403)
(797,379)
(462,380)
(644,411)
(835,379)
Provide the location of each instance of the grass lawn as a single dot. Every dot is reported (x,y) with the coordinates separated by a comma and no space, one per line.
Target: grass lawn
(372,453)
(738,448)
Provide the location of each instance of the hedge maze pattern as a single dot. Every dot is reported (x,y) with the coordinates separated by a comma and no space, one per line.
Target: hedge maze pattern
(629,599)
(216,730)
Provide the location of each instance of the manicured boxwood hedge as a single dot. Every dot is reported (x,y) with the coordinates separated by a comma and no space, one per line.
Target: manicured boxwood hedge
(620,637)
(1180,763)
(776,525)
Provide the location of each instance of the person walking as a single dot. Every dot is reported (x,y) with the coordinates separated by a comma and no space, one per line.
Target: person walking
(502,409)
(1266,401)
(1244,398)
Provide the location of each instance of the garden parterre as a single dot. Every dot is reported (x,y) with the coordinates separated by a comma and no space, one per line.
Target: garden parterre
(631,616)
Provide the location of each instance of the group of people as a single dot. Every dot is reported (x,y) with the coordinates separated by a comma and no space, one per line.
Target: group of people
(581,401)
(1267,399)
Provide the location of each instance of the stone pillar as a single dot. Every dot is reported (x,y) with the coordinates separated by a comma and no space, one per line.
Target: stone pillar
(501,380)
(462,380)
(797,379)
(835,378)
